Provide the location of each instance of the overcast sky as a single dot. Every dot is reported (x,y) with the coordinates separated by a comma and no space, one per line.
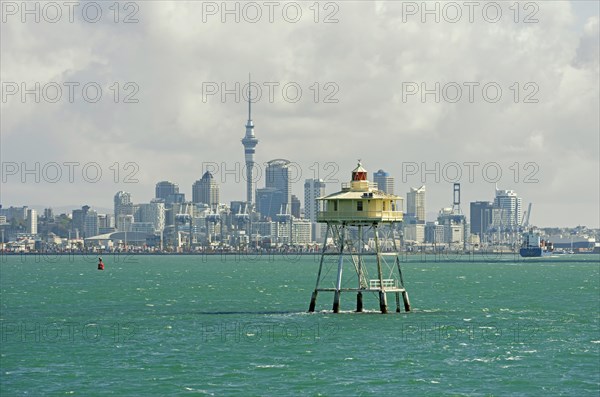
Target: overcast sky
(362,77)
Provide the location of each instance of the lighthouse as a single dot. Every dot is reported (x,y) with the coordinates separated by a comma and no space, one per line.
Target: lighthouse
(360,237)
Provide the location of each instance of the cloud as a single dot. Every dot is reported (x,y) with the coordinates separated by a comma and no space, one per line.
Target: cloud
(367,58)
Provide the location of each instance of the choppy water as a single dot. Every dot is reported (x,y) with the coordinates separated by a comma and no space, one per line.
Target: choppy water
(185,325)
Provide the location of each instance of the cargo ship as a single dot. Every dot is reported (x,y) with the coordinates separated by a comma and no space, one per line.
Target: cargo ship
(533,246)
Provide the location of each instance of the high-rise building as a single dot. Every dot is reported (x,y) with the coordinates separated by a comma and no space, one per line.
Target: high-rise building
(296,206)
(175,198)
(434,233)
(269,201)
(123,209)
(276,197)
(481,217)
(249,141)
(154,213)
(206,190)
(415,205)
(32,221)
(90,224)
(17,213)
(78,220)
(84,222)
(313,189)
(48,214)
(384,181)
(454,224)
(166,188)
(277,175)
(509,206)
(414,232)
(106,223)
(126,222)
(106,220)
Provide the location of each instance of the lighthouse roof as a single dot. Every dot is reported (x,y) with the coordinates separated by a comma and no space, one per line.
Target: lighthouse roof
(354,195)
(359,168)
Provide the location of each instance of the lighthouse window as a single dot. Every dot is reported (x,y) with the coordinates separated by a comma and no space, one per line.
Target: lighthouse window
(359,206)
(335,205)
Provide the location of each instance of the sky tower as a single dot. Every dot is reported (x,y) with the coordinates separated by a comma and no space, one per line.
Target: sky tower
(249,141)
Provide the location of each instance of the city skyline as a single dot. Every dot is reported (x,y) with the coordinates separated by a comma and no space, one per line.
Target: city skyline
(177,126)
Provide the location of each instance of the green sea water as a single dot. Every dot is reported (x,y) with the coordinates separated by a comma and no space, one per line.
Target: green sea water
(197,325)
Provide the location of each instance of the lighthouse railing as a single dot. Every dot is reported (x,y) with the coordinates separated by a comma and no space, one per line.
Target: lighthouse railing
(387,283)
(370,185)
(359,215)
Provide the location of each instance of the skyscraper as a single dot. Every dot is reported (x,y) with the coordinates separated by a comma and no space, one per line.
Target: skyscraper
(509,209)
(278,189)
(123,210)
(154,213)
(48,214)
(384,181)
(249,141)
(295,206)
(90,224)
(268,202)
(277,175)
(32,221)
(313,189)
(206,190)
(480,217)
(78,220)
(415,205)
(166,188)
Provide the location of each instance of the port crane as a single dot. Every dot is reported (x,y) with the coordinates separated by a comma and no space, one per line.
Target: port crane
(526,216)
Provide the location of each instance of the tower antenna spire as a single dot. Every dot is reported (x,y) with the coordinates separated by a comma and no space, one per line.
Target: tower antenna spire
(249,96)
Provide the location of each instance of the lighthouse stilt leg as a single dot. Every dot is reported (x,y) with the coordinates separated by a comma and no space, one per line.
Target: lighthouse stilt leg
(313,298)
(336,302)
(397,302)
(382,302)
(338,284)
(313,301)
(404,293)
(406,301)
(359,302)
